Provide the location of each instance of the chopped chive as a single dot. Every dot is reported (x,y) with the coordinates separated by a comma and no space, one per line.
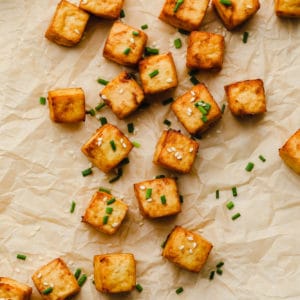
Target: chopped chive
(211,275)
(130,127)
(194,80)
(179,290)
(102,81)
(223,108)
(82,280)
(139,288)
(111,201)
(105,190)
(220,265)
(163,200)
(148,193)
(178,43)
(21,256)
(47,291)
(153,74)
(119,175)
(230,205)
(249,167)
(87,172)
(159,176)
(77,273)
(163,244)
(178,4)
(226,2)
(167,101)
(203,110)
(145,26)
(100,106)
(151,51)
(262,158)
(124,162)
(105,220)
(219,271)
(73,205)
(91,112)
(167,122)
(181,198)
(217,194)
(245,37)
(42,100)
(126,51)
(135,33)
(193,72)
(109,210)
(236,216)
(113,145)
(136,144)
(234,191)
(182,31)
(103,120)
(204,119)
(122,13)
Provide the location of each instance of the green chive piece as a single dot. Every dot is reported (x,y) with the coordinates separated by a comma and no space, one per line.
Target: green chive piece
(249,167)
(122,14)
(220,265)
(87,172)
(77,273)
(167,122)
(226,2)
(124,162)
(135,33)
(194,80)
(163,244)
(179,290)
(230,205)
(219,272)
(148,193)
(42,100)
(113,145)
(105,190)
(145,26)
(245,37)
(100,106)
(211,275)
(234,191)
(47,291)
(105,220)
(182,31)
(139,288)
(203,110)
(167,101)
(236,216)
(193,72)
(102,81)
(126,51)
(109,210)
(82,280)
(160,176)
(217,194)
(151,51)
(103,121)
(262,158)
(91,112)
(204,119)
(119,175)
(111,201)
(73,205)
(136,144)
(181,198)
(21,256)
(163,200)
(223,108)
(153,74)
(178,43)
(130,127)
(178,4)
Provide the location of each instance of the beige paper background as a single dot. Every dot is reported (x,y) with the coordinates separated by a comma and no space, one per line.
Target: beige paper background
(41,162)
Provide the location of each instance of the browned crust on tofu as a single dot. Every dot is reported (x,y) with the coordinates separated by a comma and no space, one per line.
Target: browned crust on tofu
(12,289)
(287,8)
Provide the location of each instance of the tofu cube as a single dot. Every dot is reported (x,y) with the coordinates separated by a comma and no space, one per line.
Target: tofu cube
(237,13)
(158,73)
(290,152)
(67,25)
(114,272)
(163,201)
(123,95)
(246,97)
(187,249)
(105,213)
(108,9)
(55,275)
(67,105)
(287,8)
(196,110)
(107,147)
(188,16)
(205,51)
(123,46)
(12,289)
(175,151)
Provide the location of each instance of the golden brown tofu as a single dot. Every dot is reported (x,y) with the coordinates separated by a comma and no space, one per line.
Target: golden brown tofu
(205,51)
(290,152)
(114,272)
(67,105)
(188,16)
(67,25)
(246,97)
(105,213)
(108,9)
(12,289)
(237,13)
(287,8)
(158,197)
(187,249)
(158,73)
(55,275)
(107,147)
(175,151)
(123,95)
(123,46)
(197,110)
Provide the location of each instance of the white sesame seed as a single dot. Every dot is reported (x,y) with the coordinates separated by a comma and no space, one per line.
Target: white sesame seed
(99,142)
(191,150)
(169,150)
(142,187)
(122,140)
(121,91)
(218,131)
(17,270)
(103,97)
(39,275)
(45,283)
(154,44)
(52,285)
(132,41)
(189,111)
(40,258)
(193,99)
(181,247)
(105,199)
(178,155)
(124,145)
(173,149)
(169,80)
(77,31)
(71,263)
(190,251)
(193,93)
(141,224)
(84,2)
(114,225)
(190,238)
(149,200)
(90,165)
(249,6)
(195,245)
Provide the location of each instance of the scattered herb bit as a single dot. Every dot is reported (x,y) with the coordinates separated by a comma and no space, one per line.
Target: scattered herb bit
(234,191)
(219,271)
(135,33)
(204,119)
(122,13)
(139,288)
(119,175)
(82,280)
(181,198)
(167,101)
(21,256)
(136,144)
(109,210)
(151,51)
(159,176)
(163,244)
(113,145)
(42,100)
(100,106)
(73,205)
(130,127)
(226,2)
(245,37)
(145,26)
(103,120)
(126,51)
(230,205)
(77,273)
(111,201)
(47,291)
(182,31)
(105,220)
(211,275)
(153,74)
(262,158)
(194,80)
(91,112)
(105,190)
(217,194)
(236,216)
(163,200)
(87,172)
(178,43)
(249,167)
(220,265)
(167,122)
(179,290)
(178,4)
(204,107)
(223,108)
(102,81)
(148,193)
(193,72)
(124,162)
(203,110)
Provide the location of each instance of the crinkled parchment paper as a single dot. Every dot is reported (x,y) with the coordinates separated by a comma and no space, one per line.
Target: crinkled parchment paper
(41,162)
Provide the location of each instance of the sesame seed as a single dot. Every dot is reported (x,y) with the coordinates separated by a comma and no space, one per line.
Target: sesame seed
(194,245)
(149,200)
(193,99)
(169,80)
(193,93)
(173,149)
(45,283)
(141,224)
(90,165)
(154,44)
(84,2)
(169,150)
(17,270)
(190,251)
(122,140)
(178,155)
(181,247)
(189,111)
(99,142)
(191,150)
(103,97)
(142,187)
(190,238)
(52,285)
(121,91)
(39,275)
(132,41)
(77,31)
(249,6)
(114,225)
(124,145)
(71,263)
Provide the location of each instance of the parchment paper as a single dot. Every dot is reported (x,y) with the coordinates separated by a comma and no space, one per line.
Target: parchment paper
(41,162)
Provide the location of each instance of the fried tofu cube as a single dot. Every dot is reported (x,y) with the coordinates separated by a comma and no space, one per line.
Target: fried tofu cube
(175,151)
(237,13)
(108,9)
(114,272)
(12,289)
(67,25)
(105,213)
(158,73)
(55,275)
(67,105)
(107,147)
(125,45)
(246,97)
(158,197)
(290,152)
(123,95)
(187,249)
(287,8)
(196,110)
(205,51)
(188,16)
